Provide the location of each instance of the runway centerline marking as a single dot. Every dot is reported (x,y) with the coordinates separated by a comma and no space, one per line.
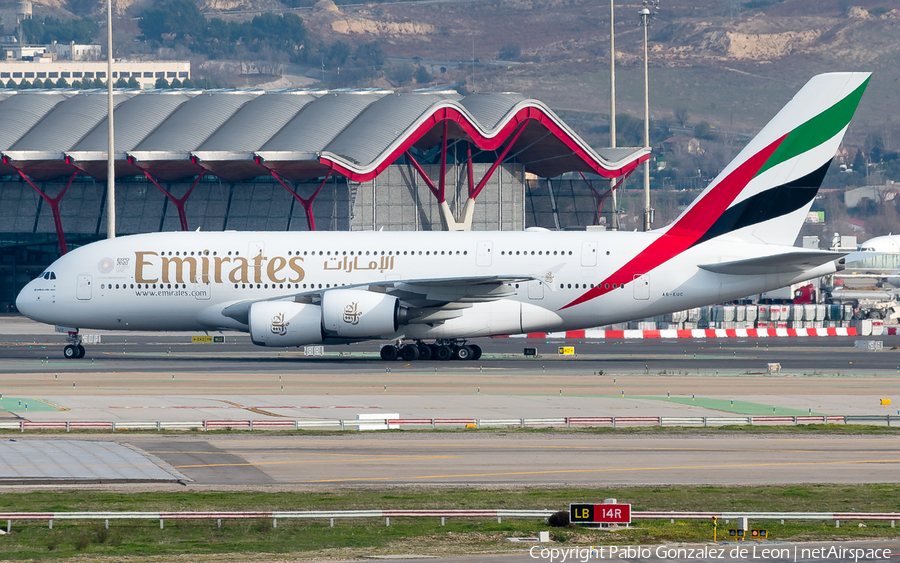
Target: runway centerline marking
(607,470)
(307,461)
(723,449)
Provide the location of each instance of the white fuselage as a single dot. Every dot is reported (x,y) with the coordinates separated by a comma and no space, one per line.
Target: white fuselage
(183,281)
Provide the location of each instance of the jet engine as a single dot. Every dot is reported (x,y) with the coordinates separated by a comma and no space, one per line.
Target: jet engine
(357,313)
(285,323)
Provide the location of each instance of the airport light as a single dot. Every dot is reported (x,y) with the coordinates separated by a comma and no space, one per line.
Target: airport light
(110,157)
(614,225)
(647,13)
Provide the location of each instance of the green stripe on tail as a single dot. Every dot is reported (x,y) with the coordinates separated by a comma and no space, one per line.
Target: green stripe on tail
(817,130)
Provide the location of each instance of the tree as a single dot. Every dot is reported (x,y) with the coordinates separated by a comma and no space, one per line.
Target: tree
(133,83)
(509,51)
(187,83)
(49,29)
(334,55)
(24,85)
(161,83)
(76,84)
(681,116)
(62,83)
(422,76)
(38,83)
(629,131)
(176,83)
(859,163)
(11,85)
(400,74)
(120,83)
(702,130)
(369,54)
(181,17)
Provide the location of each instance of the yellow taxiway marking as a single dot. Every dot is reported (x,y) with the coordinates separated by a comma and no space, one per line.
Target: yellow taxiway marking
(593,448)
(279,452)
(314,442)
(607,470)
(199,465)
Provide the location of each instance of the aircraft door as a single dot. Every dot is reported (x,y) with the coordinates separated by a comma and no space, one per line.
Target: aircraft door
(641,286)
(201,291)
(83,287)
(589,253)
(483,254)
(535,289)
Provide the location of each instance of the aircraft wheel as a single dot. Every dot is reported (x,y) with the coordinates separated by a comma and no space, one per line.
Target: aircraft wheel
(81,351)
(425,352)
(443,353)
(476,351)
(389,353)
(409,353)
(70,352)
(462,353)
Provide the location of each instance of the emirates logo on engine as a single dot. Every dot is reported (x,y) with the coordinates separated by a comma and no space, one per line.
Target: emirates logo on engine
(352,313)
(279,327)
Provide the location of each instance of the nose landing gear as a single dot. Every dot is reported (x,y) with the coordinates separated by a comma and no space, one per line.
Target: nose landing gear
(441,350)
(74,350)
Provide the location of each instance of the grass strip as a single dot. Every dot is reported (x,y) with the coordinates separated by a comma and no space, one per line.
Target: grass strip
(754,429)
(260,539)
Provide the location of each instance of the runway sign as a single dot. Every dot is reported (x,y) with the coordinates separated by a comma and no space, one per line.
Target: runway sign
(566,350)
(314,351)
(600,513)
(531,351)
(207,339)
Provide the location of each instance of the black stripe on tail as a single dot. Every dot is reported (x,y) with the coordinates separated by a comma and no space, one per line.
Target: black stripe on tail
(770,204)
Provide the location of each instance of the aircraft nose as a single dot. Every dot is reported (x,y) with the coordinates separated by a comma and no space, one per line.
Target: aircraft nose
(26,302)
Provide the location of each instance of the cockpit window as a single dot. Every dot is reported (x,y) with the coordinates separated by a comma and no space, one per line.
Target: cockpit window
(46,275)
(52,275)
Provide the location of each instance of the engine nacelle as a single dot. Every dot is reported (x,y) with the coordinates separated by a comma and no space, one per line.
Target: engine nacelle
(357,313)
(285,323)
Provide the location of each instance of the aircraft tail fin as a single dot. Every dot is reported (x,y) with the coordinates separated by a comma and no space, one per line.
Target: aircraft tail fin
(765,193)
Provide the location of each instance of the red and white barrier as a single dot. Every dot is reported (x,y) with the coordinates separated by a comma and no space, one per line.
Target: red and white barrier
(600,334)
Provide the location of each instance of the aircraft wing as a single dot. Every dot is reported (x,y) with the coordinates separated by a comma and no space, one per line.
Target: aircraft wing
(430,300)
(786,263)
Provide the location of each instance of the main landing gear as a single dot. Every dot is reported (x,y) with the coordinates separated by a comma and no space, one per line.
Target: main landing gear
(441,350)
(74,350)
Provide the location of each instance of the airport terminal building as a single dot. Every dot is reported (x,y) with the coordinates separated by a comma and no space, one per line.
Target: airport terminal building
(286,161)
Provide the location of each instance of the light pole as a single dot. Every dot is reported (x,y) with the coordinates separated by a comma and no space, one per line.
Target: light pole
(111,155)
(646,13)
(612,107)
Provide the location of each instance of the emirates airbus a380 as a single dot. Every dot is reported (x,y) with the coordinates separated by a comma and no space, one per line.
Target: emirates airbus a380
(293,289)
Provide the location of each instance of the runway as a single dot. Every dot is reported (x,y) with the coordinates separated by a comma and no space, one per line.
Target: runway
(500,459)
(151,377)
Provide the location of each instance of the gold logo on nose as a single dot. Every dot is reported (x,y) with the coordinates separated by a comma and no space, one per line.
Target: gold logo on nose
(106,265)
(352,313)
(279,327)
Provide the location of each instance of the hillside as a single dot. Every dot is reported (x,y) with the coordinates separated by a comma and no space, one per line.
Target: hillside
(723,61)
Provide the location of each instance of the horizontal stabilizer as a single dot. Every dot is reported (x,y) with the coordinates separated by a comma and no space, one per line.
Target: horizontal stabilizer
(789,262)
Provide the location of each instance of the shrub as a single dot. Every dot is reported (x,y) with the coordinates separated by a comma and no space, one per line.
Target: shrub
(559,519)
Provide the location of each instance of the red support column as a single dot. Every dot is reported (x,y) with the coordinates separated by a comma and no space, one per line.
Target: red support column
(438,192)
(474,193)
(471,173)
(178,201)
(598,198)
(443,181)
(53,202)
(307,203)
